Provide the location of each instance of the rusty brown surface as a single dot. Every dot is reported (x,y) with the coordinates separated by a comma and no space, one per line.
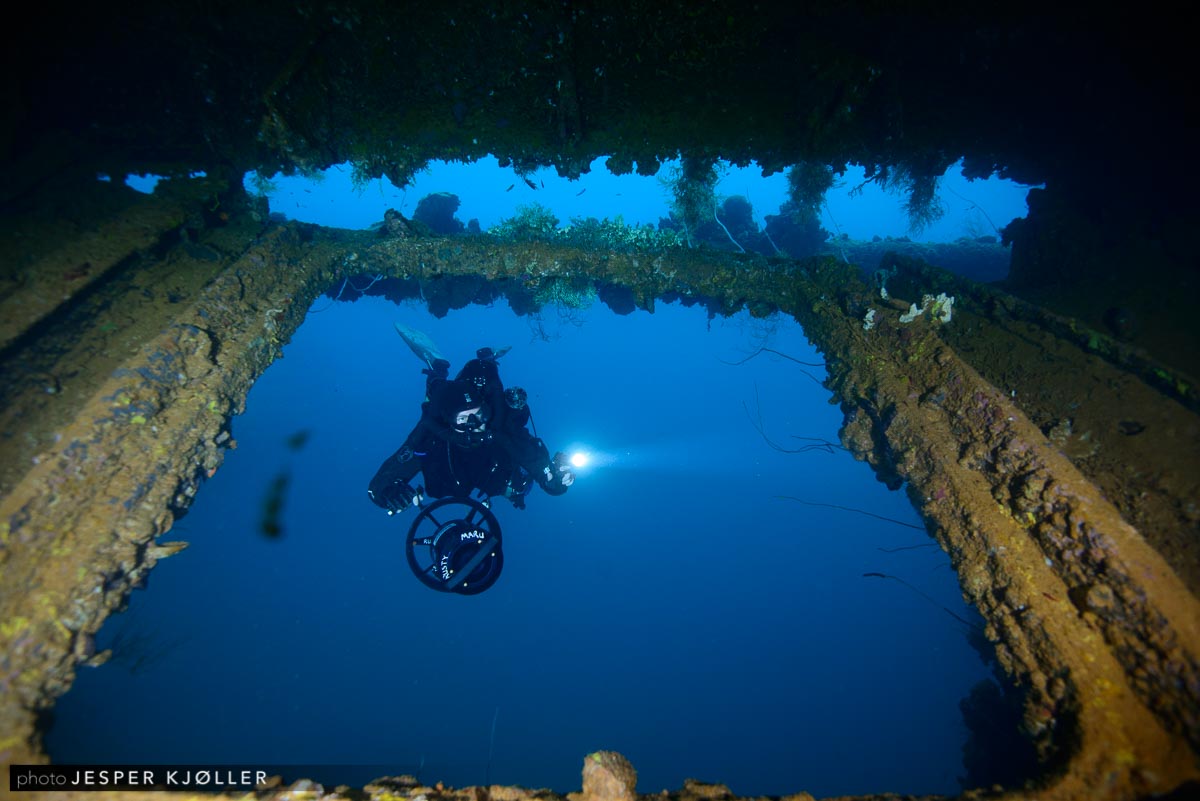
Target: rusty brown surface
(80,525)
(1087,616)
(1126,420)
(53,255)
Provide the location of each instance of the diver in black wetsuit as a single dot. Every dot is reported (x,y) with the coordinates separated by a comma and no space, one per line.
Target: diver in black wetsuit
(472,435)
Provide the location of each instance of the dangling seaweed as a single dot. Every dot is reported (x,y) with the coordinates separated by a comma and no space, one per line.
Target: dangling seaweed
(756,420)
(852,509)
(972,626)
(908,547)
(765,349)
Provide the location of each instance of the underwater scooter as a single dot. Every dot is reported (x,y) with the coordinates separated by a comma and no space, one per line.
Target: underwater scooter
(454,546)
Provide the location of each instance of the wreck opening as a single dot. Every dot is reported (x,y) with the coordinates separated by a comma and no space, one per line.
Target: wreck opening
(974,466)
(677,594)
(1066,504)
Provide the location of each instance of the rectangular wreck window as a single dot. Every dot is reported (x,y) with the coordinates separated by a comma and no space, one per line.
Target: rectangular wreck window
(709,598)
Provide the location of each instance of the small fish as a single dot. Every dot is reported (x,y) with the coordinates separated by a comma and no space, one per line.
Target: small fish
(510,188)
(529,183)
(299,439)
(580,192)
(271,522)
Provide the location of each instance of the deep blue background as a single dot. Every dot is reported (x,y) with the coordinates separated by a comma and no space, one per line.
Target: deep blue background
(670,606)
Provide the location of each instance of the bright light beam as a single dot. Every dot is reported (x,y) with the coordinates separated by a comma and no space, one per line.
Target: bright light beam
(584,458)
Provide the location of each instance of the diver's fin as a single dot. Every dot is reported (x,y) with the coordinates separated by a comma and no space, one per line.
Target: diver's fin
(492,354)
(420,344)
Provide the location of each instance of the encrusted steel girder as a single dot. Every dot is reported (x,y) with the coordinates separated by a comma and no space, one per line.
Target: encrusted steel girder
(1086,616)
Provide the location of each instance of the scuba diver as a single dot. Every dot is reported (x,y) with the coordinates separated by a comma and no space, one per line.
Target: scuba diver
(471,437)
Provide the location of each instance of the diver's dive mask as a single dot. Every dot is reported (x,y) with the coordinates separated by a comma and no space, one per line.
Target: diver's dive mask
(471,420)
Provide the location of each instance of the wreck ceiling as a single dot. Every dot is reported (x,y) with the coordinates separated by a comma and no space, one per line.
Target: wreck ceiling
(133,326)
(1088,103)
(1085,100)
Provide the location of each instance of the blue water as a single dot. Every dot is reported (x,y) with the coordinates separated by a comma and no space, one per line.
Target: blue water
(671,606)
(490,193)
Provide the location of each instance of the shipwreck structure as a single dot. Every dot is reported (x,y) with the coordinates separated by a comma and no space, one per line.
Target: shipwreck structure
(1049,435)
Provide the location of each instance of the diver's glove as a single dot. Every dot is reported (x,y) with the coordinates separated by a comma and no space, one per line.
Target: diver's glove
(438,368)
(397,496)
(560,470)
(517,487)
